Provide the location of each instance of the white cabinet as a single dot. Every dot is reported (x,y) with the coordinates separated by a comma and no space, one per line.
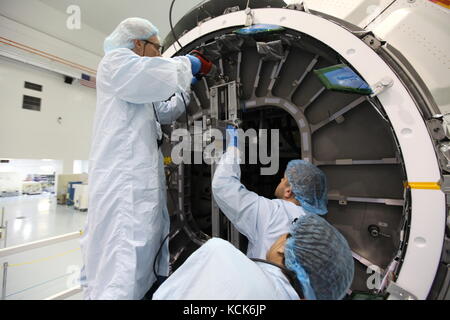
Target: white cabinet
(81,197)
(10,184)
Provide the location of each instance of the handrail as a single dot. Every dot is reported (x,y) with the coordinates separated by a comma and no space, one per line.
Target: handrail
(65,294)
(38,244)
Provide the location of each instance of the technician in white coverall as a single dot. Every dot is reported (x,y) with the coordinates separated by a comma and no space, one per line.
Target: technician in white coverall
(298,254)
(128,218)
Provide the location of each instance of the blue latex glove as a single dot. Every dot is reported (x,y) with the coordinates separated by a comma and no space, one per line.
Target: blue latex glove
(194,80)
(196,64)
(232,136)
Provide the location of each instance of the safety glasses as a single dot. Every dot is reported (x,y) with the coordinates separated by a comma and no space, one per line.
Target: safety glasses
(156,45)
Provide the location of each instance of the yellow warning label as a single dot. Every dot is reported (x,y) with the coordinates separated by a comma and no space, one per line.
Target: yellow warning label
(423,185)
(443,3)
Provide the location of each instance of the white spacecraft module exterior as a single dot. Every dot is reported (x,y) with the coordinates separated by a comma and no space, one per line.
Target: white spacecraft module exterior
(418,28)
(422,162)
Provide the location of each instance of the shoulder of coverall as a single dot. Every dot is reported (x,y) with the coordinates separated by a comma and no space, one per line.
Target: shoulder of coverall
(215,242)
(280,203)
(110,60)
(216,246)
(119,52)
(291,210)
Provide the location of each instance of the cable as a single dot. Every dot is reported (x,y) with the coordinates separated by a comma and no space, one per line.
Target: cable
(380,14)
(160,247)
(185,113)
(171,25)
(187,122)
(176,40)
(157,254)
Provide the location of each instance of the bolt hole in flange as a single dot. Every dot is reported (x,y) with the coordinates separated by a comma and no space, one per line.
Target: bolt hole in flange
(374,231)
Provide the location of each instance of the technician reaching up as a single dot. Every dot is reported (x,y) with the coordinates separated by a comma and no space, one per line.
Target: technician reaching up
(137,90)
(302,191)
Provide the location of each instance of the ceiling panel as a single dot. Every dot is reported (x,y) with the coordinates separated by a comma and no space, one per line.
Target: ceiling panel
(105,15)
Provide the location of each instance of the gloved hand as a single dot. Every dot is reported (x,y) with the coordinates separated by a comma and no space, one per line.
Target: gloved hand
(196,64)
(194,80)
(205,64)
(232,136)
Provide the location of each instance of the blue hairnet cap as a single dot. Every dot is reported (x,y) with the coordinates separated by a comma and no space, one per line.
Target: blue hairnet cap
(309,185)
(128,30)
(320,257)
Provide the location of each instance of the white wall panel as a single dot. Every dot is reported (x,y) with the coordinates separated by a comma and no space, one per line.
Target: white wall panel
(27,134)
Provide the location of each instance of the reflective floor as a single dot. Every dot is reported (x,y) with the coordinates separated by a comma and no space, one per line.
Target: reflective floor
(42,272)
(37,217)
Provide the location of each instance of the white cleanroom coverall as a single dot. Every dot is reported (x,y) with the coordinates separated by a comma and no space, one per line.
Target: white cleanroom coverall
(219,271)
(128,217)
(260,219)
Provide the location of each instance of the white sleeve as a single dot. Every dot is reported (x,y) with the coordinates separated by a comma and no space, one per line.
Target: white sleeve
(169,111)
(142,80)
(217,271)
(245,209)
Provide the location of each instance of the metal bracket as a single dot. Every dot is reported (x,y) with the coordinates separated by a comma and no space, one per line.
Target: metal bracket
(183,33)
(399,293)
(446,255)
(224,107)
(445,187)
(372,42)
(381,86)
(204,20)
(342,200)
(444,156)
(231,9)
(436,129)
(249,19)
(299,6)
(445,122)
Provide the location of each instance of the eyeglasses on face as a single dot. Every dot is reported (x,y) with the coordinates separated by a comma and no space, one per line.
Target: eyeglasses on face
(156,45)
